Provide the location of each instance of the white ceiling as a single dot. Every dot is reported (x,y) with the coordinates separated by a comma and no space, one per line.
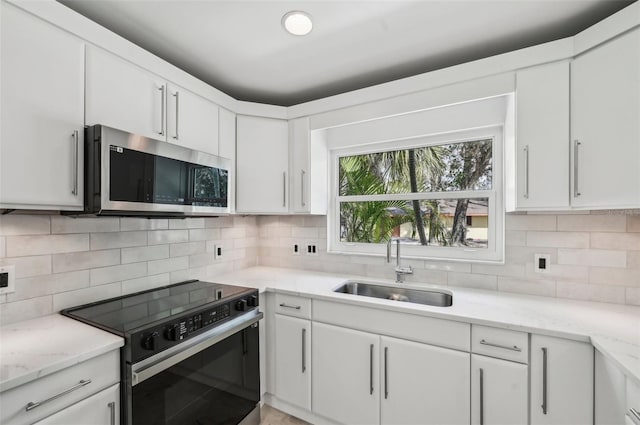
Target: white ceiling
(239,46)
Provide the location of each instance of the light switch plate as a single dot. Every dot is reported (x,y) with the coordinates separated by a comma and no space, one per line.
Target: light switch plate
(11,287)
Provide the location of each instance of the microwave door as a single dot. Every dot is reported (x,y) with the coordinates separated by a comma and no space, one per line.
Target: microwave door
(130,175)
(171,181)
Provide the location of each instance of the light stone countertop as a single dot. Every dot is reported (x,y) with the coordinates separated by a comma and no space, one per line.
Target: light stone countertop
(613,329)
(38,347)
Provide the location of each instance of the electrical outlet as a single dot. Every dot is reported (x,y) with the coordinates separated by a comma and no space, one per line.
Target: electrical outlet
(541,263)
(296,249)
(312,248)
(7,279)
(217,251)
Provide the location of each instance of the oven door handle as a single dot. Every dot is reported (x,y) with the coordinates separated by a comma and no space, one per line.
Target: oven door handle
(157,363)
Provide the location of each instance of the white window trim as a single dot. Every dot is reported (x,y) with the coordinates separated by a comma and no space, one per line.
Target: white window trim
(495,249)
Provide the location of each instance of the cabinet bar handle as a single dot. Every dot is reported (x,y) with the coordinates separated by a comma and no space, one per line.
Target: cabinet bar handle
(302,173)
(32,405)
(177,96)
(284,188)
(161,88)
(576,149)
(297,307)
(371,369)
(76,141)
(112,412)
(506,347)
(635,413)
(386,372)
(544,380)
(481,396)
(526,171)
(304,352)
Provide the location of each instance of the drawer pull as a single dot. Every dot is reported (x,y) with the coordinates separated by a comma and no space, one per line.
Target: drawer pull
(635,414)
(296,307)
(31,405)
(506,347)
(112,412)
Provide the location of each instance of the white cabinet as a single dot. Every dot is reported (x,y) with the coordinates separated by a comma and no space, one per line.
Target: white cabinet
(605,129)
(542,137)
(633,400)
(293,360)
(561,389)
(192,121)
(345,369)
(42,114)
(307,168)
(609,387)
(499,391)
(102,408)
(423,384)
(262,164)
(227,149)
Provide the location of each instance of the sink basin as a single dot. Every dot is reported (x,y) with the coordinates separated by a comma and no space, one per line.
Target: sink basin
(418,296)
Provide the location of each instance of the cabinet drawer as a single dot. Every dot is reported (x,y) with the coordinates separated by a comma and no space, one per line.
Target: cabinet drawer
(103,371)
(500,343)
(633,400)
(291,305)
(99,409)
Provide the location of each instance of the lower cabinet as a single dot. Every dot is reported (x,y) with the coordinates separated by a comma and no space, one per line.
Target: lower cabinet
(499,391)
(293,360)
(102,408)
(561,381)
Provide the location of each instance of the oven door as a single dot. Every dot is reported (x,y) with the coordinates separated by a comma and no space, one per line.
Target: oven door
(212,379)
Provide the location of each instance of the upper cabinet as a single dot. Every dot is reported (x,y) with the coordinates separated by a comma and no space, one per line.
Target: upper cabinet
(227,149)
(262,150)
(42,104)
(542,137)
(124,96)
(605,125)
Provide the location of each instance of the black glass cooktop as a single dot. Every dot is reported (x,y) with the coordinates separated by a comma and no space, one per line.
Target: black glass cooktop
(123,314)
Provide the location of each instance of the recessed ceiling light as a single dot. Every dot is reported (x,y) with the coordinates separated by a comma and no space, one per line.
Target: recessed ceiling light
(297,22)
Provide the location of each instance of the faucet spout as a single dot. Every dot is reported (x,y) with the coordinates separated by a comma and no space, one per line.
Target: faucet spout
(400,271)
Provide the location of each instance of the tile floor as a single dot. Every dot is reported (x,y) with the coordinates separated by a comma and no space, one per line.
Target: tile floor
(271,416)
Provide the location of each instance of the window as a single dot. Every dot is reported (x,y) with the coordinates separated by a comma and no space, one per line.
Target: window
(440,195)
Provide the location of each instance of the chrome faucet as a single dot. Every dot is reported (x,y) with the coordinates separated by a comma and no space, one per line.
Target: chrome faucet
(400,271)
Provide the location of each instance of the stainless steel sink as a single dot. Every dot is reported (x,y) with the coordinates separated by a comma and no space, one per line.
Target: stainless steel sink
(418,296)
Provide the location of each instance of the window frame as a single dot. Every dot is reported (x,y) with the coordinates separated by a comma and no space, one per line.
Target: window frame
(495,249)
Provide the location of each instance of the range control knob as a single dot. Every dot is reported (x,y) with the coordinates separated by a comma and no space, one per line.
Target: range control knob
(171,332)
(149,341)
(241,305)
(252,301)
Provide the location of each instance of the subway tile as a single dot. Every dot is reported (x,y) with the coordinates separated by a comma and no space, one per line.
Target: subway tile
(38,286)
(226,245)
(382,272)
(614,276)
(215,270)
(233,233)
(144,253)
(3,249)
(133,223)
(315,221)
(546,288)
(448,266)
(628,241)
(515,238)
(159,237)
(245,243)
(167,265)
(592,223)
(68,299)
(558,239)
(530,222)
(244,221)
(592,257)
(633,223)
(512,270)
(85,260)
(61,224)
(469,280)
(204,234)
(565,272)
(103,275)
(187,248)
(304,232)
(199,273)
(186,223)
(218,222)
(118,240)
(434,277)
(633,260)
(20,224)
(632,296)
(144,283)
(587,292)
(374,260)
(20,246)
(29,266)
(526,254)
(277,232)
(200,260)
(25,309)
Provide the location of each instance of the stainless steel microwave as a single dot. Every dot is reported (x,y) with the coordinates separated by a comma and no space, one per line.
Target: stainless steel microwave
(130,175)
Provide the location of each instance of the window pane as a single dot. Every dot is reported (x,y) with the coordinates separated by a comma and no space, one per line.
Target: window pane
(445,222)
(452,167)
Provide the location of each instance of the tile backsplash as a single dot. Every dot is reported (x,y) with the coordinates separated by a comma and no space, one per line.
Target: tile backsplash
(61,261)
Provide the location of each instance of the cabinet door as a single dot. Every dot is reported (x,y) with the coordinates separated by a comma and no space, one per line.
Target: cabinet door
(499,391)
(293,360)
(605,129)
(227,149)
(123,96)
(102,408)
(300,178)
(609,392)
(423,384)
(345,375)
(542,137)
(262,165)
(192,121)
(561,381)
(42,114)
